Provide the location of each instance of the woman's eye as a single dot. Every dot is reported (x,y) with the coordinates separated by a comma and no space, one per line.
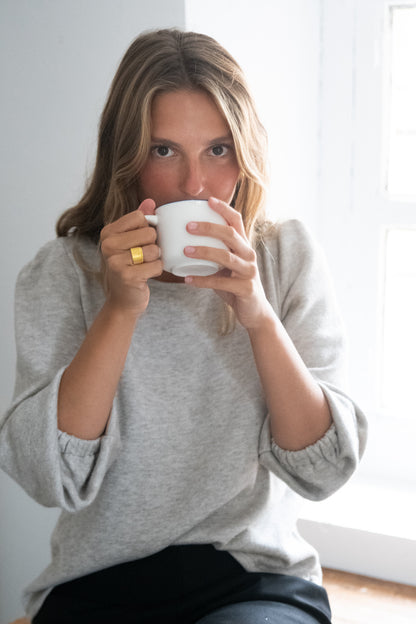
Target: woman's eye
(219,150)
(162,151)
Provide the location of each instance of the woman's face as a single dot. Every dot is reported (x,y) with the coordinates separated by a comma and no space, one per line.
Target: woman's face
(192,152)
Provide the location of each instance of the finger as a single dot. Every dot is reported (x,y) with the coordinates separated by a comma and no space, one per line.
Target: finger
(224,258)
(119,243)
(229,214)
(150,254)
(227,234)
(130,221)
(130,273)
(147,207)
(147,270)
(240,288)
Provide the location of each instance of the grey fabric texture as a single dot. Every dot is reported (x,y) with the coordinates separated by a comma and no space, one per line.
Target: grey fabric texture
(187,456)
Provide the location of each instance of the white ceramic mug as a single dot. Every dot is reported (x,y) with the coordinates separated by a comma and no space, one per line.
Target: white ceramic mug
(171,221)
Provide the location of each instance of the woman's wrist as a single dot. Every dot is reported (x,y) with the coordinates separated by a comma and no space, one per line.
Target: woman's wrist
(119,313)
(265,323)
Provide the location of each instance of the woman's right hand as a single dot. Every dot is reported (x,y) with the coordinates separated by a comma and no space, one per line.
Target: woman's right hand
(126,283)
(89,384)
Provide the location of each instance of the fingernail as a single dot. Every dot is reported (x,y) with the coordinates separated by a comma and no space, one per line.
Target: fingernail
(189,250)
(192,225)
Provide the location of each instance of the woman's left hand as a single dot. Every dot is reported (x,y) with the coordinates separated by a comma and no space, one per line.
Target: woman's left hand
(299,413)
(238,283)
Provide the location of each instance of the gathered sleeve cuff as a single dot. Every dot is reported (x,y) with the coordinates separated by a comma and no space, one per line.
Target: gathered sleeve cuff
(299,286)
(318,470)
(54,468)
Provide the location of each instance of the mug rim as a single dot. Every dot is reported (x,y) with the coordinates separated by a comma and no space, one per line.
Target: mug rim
(183,201)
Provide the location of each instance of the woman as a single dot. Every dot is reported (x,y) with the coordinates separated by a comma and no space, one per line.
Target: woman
(177,450)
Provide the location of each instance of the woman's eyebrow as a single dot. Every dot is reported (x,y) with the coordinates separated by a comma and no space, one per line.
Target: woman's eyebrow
(221,139)
(226,137)
(154,139)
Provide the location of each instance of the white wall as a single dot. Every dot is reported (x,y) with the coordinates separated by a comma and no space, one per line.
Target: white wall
(277,43)
(57,61)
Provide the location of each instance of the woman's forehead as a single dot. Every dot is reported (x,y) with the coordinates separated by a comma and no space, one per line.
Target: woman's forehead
(178,112)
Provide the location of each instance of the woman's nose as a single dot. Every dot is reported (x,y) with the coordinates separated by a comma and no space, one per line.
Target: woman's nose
(193,178)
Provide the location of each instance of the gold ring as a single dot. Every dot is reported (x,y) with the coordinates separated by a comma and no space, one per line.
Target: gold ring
(137,255)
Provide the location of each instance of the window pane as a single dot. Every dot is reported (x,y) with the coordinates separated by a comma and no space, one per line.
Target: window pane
(399,330)
(401,158)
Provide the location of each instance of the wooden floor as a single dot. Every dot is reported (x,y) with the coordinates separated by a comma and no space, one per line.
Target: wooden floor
(360,600)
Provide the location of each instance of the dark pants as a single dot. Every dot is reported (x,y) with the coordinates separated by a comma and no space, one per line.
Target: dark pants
(185,585)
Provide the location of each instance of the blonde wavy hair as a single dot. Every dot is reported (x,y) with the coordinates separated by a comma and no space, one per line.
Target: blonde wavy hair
(164,61)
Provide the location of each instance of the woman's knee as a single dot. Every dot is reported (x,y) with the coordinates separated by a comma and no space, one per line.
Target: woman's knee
(258,612)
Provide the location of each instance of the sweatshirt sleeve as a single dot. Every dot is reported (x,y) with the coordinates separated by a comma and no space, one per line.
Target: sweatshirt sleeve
(297,281)
(54,468)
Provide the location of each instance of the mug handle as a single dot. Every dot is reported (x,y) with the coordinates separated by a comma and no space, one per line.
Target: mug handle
(152,219)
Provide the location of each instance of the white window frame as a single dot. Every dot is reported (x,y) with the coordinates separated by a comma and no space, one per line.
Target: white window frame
(371,520)
(354,208)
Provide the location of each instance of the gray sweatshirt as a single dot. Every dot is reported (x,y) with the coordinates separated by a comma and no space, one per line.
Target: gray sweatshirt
(187,456)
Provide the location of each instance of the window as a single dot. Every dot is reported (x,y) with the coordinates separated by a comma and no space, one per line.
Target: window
(367,224)
(399,326)
(367,214)
(401,155)
(398,334)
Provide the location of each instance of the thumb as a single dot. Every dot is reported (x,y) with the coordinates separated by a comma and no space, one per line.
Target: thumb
(147,207)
